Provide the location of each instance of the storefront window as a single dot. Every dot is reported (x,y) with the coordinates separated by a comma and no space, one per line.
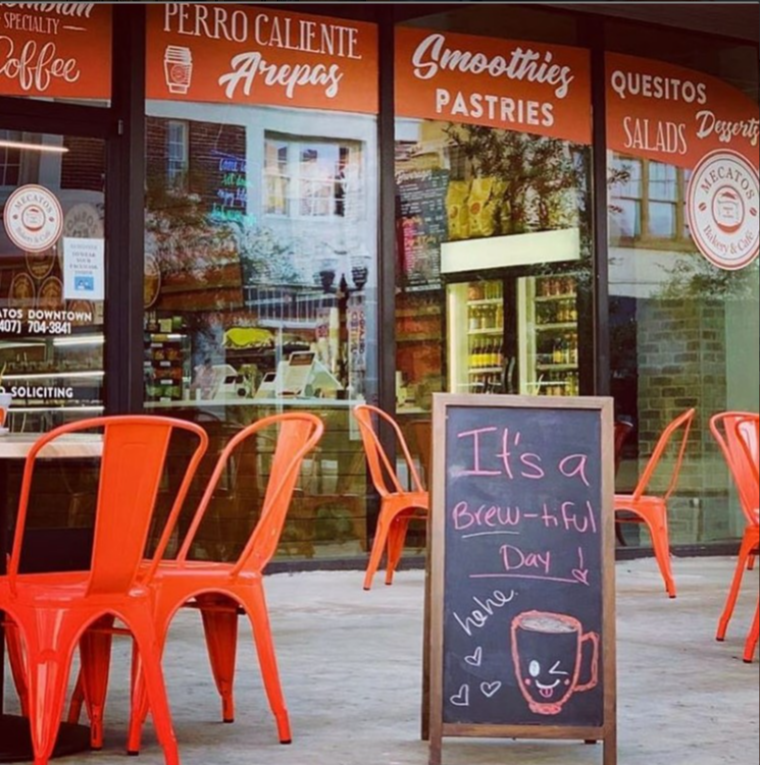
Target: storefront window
(683,274)
(52,270)
(56,51)
(261,242)
(493,211)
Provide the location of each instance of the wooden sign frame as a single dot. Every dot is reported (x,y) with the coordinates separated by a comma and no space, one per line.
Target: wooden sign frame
(434,728)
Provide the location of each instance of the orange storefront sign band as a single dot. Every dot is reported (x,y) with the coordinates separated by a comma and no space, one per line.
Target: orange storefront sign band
(55,50)
(257,55)
(516,85)
(676,115)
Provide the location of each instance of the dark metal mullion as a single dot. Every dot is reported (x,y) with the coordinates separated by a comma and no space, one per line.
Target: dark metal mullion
(125,200)
(601,298)
(386,279)
(387,252)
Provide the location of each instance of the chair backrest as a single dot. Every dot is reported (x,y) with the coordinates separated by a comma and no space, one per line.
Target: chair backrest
(623,429)
(731,430)
(298,434)
(422,434)
(384,476)
(682,423)
(748,431)
(133,455)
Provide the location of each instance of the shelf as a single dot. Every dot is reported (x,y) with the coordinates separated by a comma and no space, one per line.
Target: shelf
(483,370)
(555,298)
(495,331)
(485,301)
(411,313)
(558,326)
(556,367)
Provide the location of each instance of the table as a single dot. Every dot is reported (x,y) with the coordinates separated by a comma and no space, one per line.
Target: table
(15,742)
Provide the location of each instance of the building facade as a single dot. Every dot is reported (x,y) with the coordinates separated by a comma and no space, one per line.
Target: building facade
(220,211)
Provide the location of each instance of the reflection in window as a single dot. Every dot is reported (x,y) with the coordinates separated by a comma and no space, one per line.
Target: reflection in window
(309,179)
(10,159)
(626,192)
(663,196)
(647,200)
(177,153)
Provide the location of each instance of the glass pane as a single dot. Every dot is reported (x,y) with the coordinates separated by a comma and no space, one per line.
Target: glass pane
(52,264)
(662,181)
(260,297)
(662,219)
(683,332)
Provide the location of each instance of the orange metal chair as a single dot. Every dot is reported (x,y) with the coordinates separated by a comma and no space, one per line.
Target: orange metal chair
(219,589)
(652,509)
(50,612)
(748,431)
(622,430)
(398,506)
(737,436)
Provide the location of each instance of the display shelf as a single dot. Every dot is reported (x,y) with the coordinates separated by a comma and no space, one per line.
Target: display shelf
(485,301)
(556,367)
(490,331)
(166,366)
(482,370)
(557,326)
(411,313)
(555,298)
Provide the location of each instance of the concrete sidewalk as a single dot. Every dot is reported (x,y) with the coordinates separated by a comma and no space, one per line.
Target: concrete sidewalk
(350,667)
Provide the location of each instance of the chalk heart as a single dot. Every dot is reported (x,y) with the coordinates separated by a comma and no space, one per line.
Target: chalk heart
(489,689)
(580,575)
(476,658)
(461,699)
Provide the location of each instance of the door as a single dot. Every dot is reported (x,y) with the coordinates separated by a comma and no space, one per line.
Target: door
(52,277)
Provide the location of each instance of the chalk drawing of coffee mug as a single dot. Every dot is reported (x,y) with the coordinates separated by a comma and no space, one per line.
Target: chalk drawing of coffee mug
(547,650)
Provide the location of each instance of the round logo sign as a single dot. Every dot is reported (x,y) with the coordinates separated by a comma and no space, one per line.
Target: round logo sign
(722,204)
(33,218)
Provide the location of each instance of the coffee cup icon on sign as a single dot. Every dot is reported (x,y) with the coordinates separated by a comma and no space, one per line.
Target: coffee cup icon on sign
(547,650)
(178,68)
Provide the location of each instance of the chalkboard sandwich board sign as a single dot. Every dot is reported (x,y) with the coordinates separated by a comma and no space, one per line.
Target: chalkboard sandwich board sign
(521,635)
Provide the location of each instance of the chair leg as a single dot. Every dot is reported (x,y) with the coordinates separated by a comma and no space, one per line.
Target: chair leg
(153,677)
(220,625)
(752,636)
(396,539)
(50,641)
(139,706)
(661,545)
(16,660)
(77,701)
(95,650)
(745,551)
(751,562)
(256,607)
(378,547)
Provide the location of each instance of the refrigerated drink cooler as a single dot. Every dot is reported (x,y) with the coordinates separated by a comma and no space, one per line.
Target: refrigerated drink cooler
(476,337)
(513,336)
(548,330)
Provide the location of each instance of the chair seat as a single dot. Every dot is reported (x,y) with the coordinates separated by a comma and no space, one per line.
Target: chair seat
(210,571)
(56,589)
(414,500)
(644,502)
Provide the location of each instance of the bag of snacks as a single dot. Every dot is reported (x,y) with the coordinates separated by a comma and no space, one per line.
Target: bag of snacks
(483,203)
(456,209)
